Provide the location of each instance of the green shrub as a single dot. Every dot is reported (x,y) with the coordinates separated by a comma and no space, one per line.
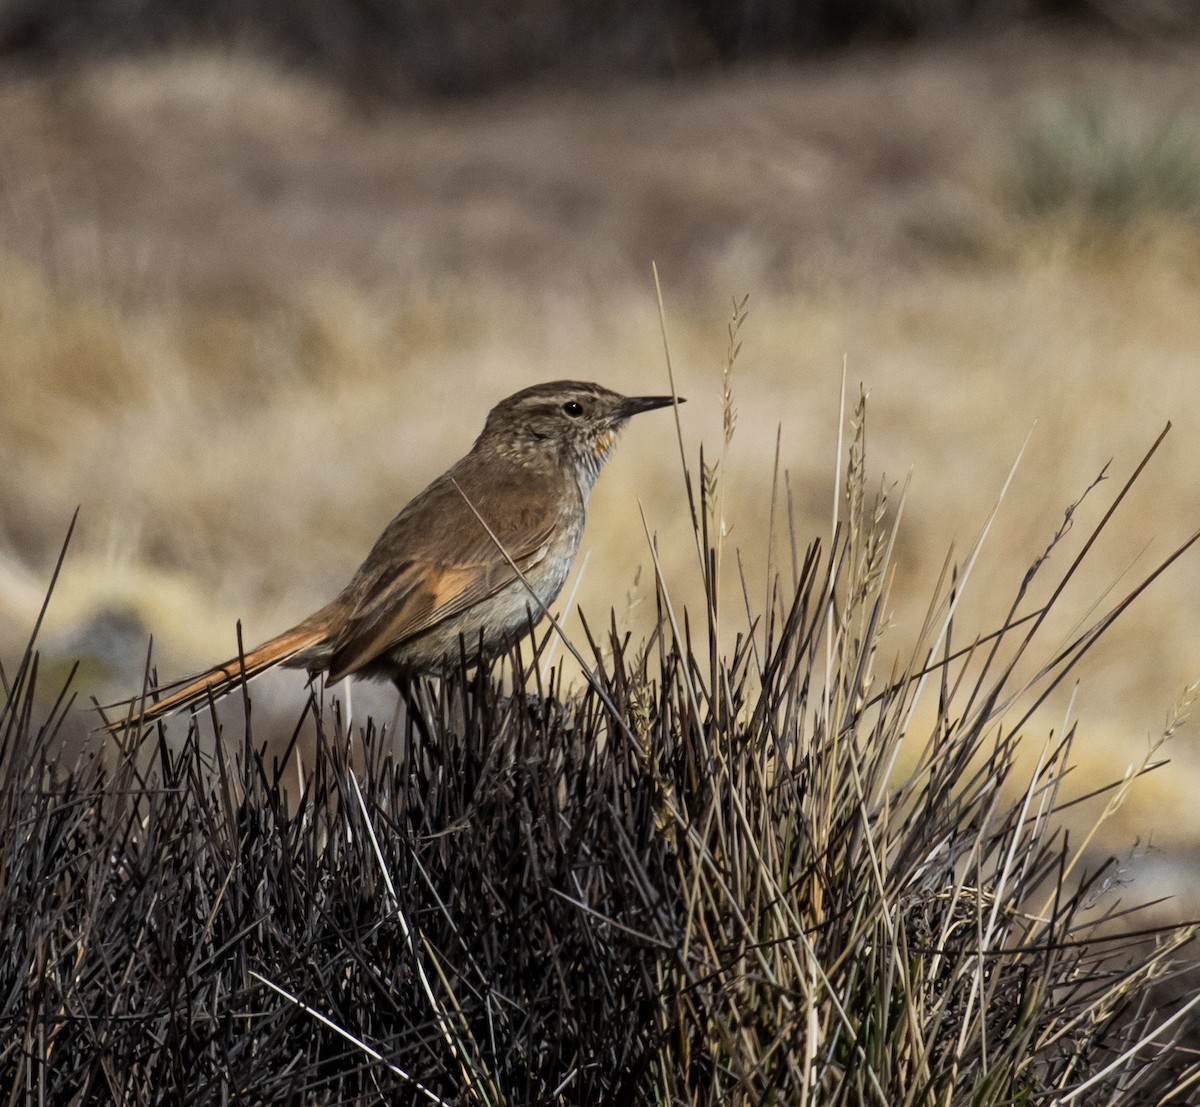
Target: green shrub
(1106,161)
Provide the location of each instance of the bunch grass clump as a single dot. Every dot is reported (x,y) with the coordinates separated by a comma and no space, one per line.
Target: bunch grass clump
(700,878)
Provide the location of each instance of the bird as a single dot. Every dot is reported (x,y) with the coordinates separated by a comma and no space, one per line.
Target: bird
(474,559)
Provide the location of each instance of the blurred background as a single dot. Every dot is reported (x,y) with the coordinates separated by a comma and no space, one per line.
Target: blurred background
(264,268)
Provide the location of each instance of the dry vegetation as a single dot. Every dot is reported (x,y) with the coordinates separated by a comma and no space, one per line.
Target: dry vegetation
(243,319)
(698,880)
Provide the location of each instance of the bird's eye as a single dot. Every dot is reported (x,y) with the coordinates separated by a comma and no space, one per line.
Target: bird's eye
(573,408)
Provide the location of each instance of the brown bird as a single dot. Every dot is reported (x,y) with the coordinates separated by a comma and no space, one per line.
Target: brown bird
(445,569)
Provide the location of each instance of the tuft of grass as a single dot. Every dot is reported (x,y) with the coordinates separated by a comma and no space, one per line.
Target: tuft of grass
(1105,160)
(698,879)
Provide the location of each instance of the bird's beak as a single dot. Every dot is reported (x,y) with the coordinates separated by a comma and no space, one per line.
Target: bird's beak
(633,405)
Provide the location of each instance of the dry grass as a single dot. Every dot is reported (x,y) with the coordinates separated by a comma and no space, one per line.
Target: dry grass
(241,322)
(699,879)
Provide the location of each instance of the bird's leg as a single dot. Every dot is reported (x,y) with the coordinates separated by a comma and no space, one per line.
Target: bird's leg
(406,687)
(391,729)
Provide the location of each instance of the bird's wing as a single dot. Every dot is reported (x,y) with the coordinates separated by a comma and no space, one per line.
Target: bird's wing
(402,600)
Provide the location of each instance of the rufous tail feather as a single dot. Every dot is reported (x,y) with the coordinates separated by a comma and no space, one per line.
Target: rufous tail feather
(221,680)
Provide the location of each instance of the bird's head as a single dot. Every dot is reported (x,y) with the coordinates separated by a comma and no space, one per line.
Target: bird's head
(572,423)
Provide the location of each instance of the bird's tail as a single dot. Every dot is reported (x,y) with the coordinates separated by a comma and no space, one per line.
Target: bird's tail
(221,680)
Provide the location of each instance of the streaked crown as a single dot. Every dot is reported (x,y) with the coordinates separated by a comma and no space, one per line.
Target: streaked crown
(573,423)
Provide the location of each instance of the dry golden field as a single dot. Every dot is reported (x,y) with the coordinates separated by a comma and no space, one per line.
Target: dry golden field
(242,320)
